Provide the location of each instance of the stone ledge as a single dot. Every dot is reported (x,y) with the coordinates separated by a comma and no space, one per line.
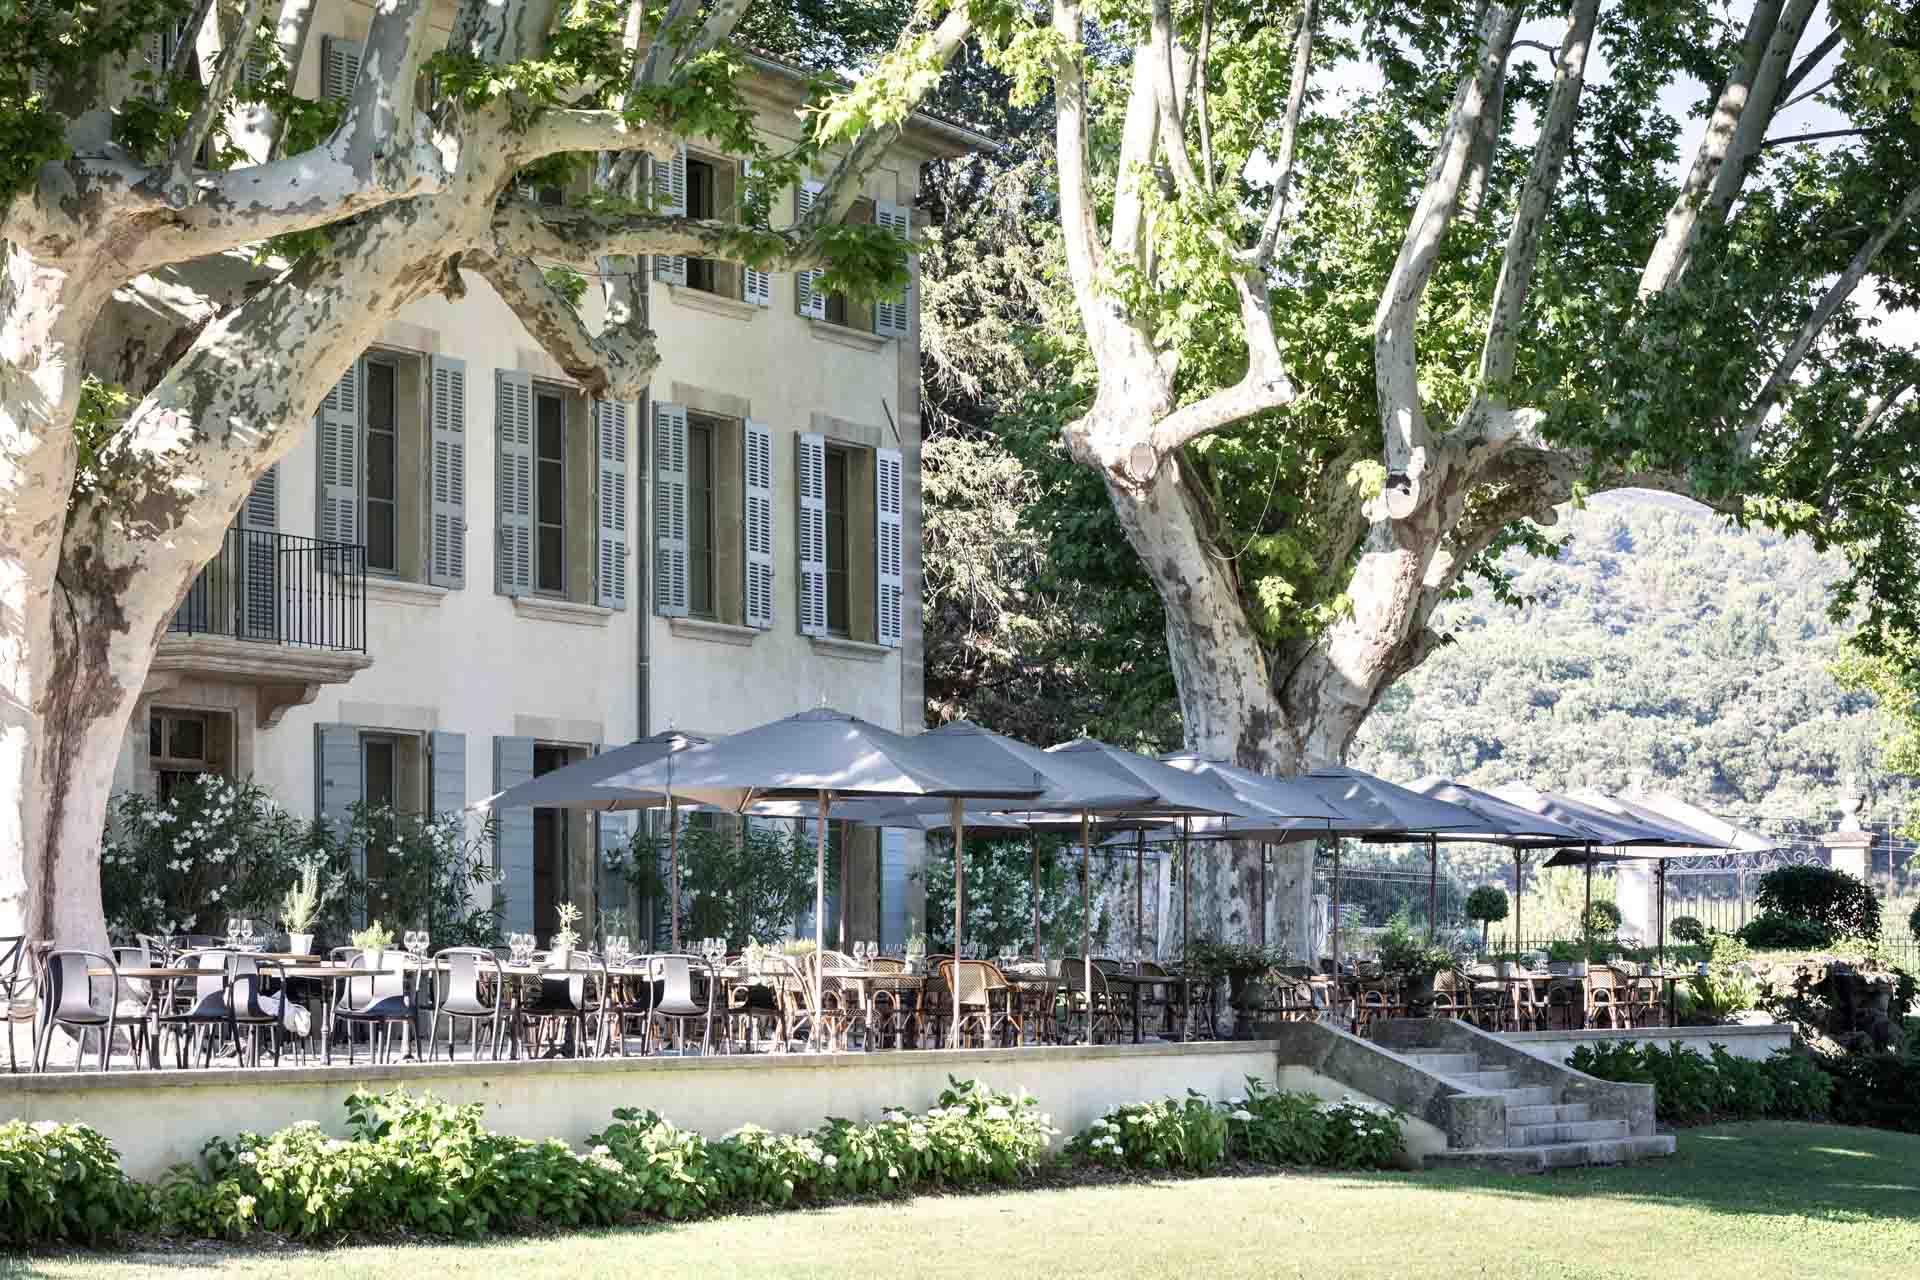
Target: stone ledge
(858,339)
(855,650)
(566,611)
(286,675)
(400,591)
(713,303)
(713,632)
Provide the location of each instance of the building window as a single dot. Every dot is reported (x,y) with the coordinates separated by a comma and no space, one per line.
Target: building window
(838,558)
(701,272)
(700,541)
(185,745)
(383,460)
(550,493)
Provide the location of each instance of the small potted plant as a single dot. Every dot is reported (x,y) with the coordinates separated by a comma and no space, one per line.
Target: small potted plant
(565,938)
(302,906)
(1488,906)
(1244,966)
(1406,956)
(373,942)
(916,953)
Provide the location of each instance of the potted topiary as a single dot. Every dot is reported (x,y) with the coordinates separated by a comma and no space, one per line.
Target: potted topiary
(1244,966)
(1408,957)
(565,938)
(373,942)
(1488,905)
(302,906)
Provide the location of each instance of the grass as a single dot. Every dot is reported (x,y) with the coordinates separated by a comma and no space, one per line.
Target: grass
(1750,1202)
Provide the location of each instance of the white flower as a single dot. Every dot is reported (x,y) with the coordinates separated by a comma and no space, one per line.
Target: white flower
(46,1126)
(999,1113)
(603,1150)
(247,1157)
(1243,1114)
(892,1171)
(832,1162)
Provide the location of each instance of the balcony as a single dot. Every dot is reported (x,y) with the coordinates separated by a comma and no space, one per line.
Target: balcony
(277,611)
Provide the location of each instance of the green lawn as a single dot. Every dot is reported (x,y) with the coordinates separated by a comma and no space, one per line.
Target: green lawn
(1742,1201)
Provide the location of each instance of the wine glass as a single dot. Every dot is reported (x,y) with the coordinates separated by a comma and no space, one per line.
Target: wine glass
(425,940)
(233,929)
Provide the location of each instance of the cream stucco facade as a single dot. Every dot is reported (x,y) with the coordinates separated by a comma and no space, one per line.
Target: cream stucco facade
(463,681)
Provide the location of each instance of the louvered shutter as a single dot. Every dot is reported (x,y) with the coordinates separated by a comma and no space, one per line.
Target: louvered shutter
(513,836)
(338,782)
(812,471)
(890,318)
(447,535)
(259,558)
(758,464)
(611,424)
(670,198)
(887,506)
(756,285)
(339,429)
(339,67)
(447,773)
(809,299)
(670,509)
(513,482)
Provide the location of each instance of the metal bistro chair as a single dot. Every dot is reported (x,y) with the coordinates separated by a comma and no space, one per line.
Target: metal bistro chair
(72,1000)
(676,1000)
(766,997)
(1093,1009)
(201,1009)
(21,991)
(251,1005)
(464,1000)
(376,1001)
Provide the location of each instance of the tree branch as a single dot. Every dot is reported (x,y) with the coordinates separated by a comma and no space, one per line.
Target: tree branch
(175,179)
(1077,217)
(579,237)
(1289,137)
(1819,136)
(1396,372)
(1536,198)
(1809,64)
(1139,134)
(1200,78)
(615,365)
(1830,302)
(1173,133)
(657,68)
(569,130)
(378,126)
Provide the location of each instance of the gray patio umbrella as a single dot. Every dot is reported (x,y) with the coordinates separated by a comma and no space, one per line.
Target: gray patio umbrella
(1504,823)
(824,755)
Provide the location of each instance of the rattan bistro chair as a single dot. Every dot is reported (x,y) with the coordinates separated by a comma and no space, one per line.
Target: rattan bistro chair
(464,999)
(980,991)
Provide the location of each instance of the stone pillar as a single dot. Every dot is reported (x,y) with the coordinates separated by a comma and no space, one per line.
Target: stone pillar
(1634,892)
(1847,851)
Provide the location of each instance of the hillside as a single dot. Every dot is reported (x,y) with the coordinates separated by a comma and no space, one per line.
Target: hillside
(1660,641)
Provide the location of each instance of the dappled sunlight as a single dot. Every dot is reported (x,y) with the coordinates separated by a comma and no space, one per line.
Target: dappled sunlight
(1843,1151)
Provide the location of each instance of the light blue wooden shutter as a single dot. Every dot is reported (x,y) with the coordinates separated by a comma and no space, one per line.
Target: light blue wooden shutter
(338,782)
(513,765)
(893,888)
(447,537)
(670,509)
(513,482)
(339,66)
(807,297)
(448,778)
(338,425)
(758,464)
(811,469)
(259,558)
(611,424)
(670,198)
(890,318)
(888,575)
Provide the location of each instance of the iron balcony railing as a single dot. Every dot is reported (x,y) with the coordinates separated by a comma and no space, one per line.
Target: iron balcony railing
(280,588)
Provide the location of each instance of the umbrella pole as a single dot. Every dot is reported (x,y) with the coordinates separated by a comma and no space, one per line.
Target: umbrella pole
(1033,842)
(1433,882)
(1186,900)
(1336,928)
(1086,915)
(673,869)
(846,876)
(1586,915)
(1660,916)
(1139,901)
(1518,883)
(956,820)
(819,912)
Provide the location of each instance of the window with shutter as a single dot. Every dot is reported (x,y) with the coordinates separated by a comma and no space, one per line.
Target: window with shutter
(447,475)
(513,481)
(670,198)
(611,424)
(447,773)
(259,558)
(811,470)
(890,319)
(757,460)
(338,427)
(670,509)
(809,299)
(337,780)
(888,486)
(756,285)
(339,67)
(513,836)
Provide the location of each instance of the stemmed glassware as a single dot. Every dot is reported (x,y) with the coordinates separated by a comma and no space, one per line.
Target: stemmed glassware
(618,950)
(416,942)
(520,949)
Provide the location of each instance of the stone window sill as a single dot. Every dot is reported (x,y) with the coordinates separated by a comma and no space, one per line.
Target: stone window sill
(858,339)
(841,647)
(714,303)
(400,591)
(567,611)
(713,632)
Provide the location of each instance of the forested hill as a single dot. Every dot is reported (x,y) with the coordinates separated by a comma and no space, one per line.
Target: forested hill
(1660,641)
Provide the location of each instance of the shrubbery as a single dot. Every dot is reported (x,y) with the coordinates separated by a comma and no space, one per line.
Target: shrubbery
(1195,1135)
(63,1182)
(1812,907)
(1692,1088)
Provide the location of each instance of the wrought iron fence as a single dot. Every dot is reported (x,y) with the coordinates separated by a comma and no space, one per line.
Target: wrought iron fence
(280,588)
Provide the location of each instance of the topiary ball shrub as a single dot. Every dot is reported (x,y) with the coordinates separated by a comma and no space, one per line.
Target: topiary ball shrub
(1488,905)
(1784,933)
(1602,918)
(1688,929)
(1837,902)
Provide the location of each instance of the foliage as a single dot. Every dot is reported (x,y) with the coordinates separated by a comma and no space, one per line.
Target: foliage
(738,880)
(1263,1126)
(1913,922)
(1188,1134)
(1687,929)
(1878,1089)
(1487,905)
(1000,894)
(216,849)
(1602,919)
(63,1182)
(566,937)
(306,896)
(1777,932)
(1405,953)
(1833,900)
(1212,958)
(430,867)
(1693,1088)
(375,937)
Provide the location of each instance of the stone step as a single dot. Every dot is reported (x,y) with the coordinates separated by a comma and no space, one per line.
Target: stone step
(1532,1095)
(1537,1135)
(1548,1113)
(1493,1081)
(1557,1155)
(1447,1064)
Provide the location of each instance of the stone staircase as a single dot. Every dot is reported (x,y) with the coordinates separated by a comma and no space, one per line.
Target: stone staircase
(1542,1132)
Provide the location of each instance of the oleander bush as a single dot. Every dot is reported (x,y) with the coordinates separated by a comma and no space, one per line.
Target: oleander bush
(63,1182)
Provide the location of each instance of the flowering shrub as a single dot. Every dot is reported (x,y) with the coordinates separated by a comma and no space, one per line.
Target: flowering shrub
(1263,1126)
(1175,1133)
(63,1182)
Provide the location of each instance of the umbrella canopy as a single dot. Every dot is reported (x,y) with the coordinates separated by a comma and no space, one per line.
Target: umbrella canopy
(1269,797)
(1171,791)
(1726,835)
(1071,784)
(1375,806)
(1500,820)
(1604,825)
(879,813)
(580,785)
(823,752)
